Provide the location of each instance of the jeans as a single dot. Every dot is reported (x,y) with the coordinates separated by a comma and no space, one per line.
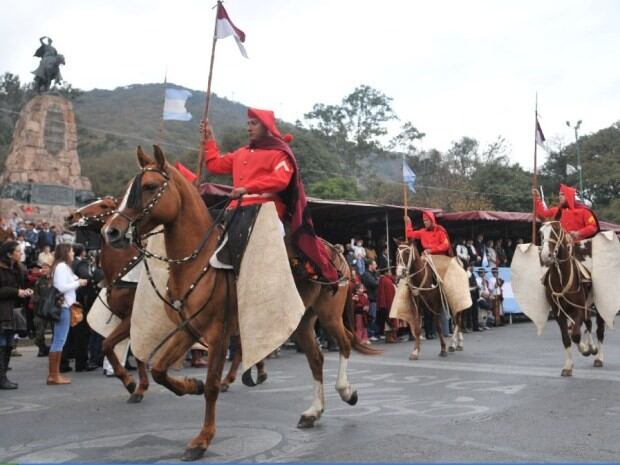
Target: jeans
(61,330)
(6,338)
(372,319)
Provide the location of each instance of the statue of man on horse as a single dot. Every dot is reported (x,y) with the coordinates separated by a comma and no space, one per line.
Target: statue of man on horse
(48,70)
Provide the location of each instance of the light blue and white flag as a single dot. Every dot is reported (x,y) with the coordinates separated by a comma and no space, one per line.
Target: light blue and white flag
(174,105)
(408,177)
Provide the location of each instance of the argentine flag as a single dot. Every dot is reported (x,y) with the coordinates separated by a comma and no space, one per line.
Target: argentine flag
(408,177)
(174,105)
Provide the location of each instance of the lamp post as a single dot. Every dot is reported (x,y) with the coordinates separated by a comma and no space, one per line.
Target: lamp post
(576,128)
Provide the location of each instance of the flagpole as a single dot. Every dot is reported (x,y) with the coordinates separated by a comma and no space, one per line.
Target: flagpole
(404,193)
(535,177)
(206,108)
(160,135)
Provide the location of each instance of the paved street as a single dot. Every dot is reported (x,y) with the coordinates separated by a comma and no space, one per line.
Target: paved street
(502,399)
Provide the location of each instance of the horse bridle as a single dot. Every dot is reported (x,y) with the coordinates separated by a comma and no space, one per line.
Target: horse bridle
(177,304)
(559,296)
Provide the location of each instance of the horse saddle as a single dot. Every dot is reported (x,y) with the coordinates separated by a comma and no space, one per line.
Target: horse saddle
(237,226)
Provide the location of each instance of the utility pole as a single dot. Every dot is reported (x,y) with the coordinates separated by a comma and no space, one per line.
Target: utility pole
(576,128)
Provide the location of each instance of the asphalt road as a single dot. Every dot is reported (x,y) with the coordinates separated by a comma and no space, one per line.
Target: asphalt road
(501,399)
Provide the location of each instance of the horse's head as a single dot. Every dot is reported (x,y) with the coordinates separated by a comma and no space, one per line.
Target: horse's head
(152,198)
(552,238)
(406,254)
(60,59)
(91,216)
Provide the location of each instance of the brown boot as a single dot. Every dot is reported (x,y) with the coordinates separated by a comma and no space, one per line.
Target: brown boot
(54,376)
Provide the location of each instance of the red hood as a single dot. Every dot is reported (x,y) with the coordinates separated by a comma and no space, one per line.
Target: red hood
(569,195)
(431,217)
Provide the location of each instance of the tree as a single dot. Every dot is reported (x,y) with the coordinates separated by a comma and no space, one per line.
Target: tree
(366,111)
(335,188)
(407,138)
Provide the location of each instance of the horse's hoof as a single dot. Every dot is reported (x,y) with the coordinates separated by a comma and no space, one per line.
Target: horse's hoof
(193,453)
(306,422)
(135,399)
(594,352)
(450,349)
(459,348)
(353,399)
(261,378)
(246,378)
(566,372)
(413,356)
(200,388)
(598,363)
(224,387)
(131,387)
(443,353)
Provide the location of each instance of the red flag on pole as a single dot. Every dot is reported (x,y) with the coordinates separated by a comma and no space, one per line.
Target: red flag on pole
(225,28)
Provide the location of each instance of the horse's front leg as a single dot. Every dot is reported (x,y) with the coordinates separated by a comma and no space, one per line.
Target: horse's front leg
(567,369)
(217,339)
(600,336)
(120,333)
(306,340)
(417,333)
(143,385)
(442,341)
(176,347)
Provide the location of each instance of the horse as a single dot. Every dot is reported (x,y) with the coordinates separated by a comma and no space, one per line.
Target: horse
(202,299)
(120,296)
(48,72)
(569,293)
(425,293)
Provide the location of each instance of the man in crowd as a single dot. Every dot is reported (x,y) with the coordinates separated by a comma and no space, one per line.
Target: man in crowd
(370,279)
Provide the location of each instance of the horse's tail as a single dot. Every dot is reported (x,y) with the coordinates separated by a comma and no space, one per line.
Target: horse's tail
(349,324)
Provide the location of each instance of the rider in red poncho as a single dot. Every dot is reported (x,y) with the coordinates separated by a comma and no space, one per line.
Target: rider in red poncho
(434,237)
(266,171)
(576,219)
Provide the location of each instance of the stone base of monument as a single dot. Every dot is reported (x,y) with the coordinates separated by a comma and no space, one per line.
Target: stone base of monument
(41,179)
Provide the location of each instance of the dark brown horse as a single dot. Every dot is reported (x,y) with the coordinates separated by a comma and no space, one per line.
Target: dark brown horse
(569,295)
(202,300)
(426,294)
(120,296)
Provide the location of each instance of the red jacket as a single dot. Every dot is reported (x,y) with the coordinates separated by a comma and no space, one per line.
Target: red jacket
(264,173)
(386,292)
(574,217)
(435,240)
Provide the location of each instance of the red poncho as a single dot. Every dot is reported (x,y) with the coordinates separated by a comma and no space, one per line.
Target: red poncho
(435,239)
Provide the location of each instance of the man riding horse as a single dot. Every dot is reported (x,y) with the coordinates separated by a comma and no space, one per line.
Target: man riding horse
(434,238)
(266,171)
(49,66)
(577,220)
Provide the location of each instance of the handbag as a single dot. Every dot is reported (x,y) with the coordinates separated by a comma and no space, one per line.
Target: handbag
(51,304)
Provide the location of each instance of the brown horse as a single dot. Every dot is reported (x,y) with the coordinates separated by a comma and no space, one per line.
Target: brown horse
(425,293)
(120,296)
(202,299)
(569,295)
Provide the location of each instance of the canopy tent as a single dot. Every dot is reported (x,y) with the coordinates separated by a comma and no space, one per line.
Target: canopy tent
(496,224)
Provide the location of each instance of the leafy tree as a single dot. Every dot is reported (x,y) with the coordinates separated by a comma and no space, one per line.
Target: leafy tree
(335,188)
(367,110)
(407,138)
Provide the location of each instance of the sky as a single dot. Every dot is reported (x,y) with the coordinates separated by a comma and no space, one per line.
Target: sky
(453,68)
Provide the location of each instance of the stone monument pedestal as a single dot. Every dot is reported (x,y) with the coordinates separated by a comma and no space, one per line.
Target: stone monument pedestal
(42,177)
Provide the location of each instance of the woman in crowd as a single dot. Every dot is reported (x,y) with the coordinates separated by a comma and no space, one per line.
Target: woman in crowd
(12,278)
(66,282)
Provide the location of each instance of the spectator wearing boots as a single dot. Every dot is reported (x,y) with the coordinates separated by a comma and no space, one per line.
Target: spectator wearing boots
(12,291)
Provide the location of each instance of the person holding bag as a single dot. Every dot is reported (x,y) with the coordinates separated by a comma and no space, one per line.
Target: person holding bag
(12,290)
(66,282)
